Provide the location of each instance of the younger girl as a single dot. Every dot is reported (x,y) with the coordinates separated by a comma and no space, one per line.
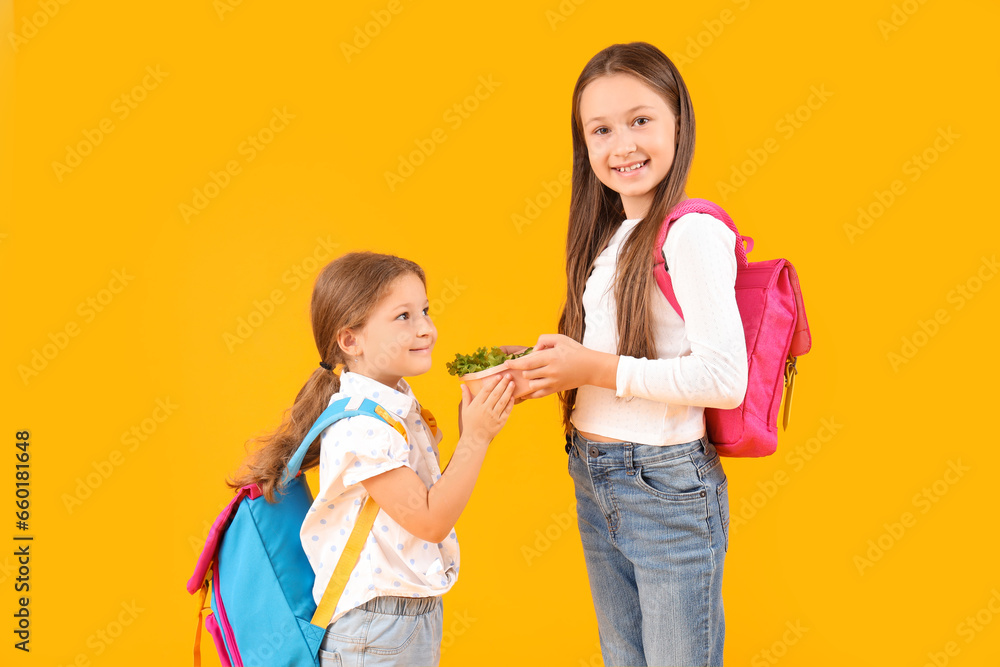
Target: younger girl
(633,377)
(372,328)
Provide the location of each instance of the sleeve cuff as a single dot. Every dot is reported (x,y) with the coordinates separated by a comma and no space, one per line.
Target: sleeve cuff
(627,368)
(363,472)
(381,451)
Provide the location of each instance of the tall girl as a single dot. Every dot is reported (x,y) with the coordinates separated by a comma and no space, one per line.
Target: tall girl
(371,325)
(633,377)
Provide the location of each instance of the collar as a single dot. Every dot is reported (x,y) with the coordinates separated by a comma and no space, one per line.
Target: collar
(398,401)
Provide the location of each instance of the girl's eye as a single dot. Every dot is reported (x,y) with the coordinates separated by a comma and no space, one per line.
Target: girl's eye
(601,130)
(641,120)
(427,310)
(404,316)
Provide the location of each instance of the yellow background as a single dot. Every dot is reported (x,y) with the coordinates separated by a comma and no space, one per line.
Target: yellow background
(799,526)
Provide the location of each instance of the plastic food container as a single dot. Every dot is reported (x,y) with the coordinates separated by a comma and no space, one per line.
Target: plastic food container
(474,381)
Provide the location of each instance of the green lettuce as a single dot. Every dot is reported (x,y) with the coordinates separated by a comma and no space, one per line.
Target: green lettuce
(480,360)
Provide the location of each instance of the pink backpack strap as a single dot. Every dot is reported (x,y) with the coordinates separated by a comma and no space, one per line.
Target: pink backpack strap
(694,205)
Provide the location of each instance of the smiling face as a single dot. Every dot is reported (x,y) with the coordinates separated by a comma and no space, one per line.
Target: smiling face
(631,137)
(398,337)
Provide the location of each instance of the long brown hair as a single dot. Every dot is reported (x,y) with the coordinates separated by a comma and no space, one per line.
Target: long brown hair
(596,211)
(347,291)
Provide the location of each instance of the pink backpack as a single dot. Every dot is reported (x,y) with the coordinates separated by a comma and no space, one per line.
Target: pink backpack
(774,321)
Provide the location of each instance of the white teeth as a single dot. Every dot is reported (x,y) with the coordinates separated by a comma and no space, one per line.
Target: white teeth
(632,168)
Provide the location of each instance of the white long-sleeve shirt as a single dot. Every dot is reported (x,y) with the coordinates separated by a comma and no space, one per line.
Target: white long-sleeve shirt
(701,359)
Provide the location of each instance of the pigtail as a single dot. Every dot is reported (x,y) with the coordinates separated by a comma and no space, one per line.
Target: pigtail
(266,463)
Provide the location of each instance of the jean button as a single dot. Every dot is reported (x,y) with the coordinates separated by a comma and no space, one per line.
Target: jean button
(594,451)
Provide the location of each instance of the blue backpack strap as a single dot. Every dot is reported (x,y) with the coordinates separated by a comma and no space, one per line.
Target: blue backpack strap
(334,413)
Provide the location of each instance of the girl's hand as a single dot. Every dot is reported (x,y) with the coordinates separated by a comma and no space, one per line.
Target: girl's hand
(511,349)
(483,416)
(559,363)
(507,349)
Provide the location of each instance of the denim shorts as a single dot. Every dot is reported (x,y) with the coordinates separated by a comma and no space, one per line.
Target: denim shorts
(654,524)
(386,631)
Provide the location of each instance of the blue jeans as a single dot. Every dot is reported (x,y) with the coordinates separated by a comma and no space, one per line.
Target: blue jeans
(385,632)
(654,523)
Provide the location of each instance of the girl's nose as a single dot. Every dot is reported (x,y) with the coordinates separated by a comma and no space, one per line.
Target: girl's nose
(625,147)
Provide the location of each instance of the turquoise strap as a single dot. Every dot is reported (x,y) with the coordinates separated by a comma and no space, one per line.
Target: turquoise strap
(334,413)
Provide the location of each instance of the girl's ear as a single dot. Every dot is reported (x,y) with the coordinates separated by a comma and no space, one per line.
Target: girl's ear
(349,343)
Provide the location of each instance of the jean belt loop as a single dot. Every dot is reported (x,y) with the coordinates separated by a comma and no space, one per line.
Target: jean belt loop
(629,468)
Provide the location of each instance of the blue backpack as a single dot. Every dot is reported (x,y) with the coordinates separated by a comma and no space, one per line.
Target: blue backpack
(262,609)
